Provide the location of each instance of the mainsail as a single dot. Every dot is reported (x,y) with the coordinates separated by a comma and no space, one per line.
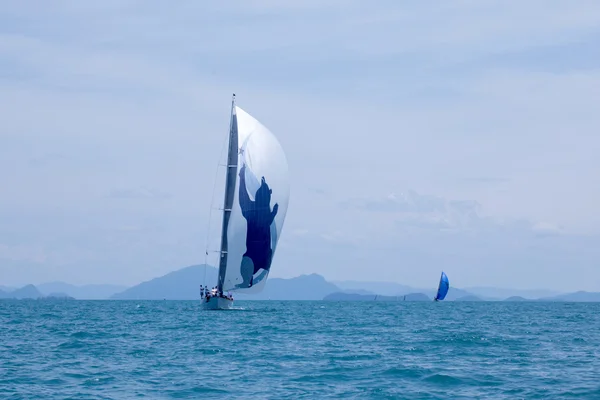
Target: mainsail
(443,287)
(255,204)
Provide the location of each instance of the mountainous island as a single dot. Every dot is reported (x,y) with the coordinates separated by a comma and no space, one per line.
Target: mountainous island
(31,292)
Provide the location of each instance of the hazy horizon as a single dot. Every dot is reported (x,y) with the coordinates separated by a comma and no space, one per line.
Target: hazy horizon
(420,137)
(354,284)
(162,287)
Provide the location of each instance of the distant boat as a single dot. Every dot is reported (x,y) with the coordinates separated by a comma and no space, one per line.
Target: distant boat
(254,209)
(442,288)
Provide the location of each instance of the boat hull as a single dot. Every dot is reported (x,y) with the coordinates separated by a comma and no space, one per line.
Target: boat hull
(217,303)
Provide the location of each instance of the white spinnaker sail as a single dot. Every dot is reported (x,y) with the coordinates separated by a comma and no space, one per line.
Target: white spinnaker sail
(256,221)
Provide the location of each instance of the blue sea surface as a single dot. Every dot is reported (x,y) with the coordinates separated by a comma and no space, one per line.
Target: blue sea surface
(311,350)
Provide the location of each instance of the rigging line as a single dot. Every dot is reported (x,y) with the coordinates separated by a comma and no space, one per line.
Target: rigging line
(212,200)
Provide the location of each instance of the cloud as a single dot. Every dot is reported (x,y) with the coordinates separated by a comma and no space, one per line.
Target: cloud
(300,232)
(140,193)
(544,229)
(48,159)
(405,202)
(22,253)
(414,209)
(413,213)
(485,180)
(343,238)
(129,228)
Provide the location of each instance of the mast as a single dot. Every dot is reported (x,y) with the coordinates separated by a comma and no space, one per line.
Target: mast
(230,181)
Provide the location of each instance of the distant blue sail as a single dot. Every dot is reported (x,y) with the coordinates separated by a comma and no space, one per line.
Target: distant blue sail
(443,287)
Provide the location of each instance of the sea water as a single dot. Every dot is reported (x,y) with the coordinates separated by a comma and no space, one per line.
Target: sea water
(312,350)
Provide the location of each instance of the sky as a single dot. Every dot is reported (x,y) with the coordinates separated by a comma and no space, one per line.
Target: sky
(420,136)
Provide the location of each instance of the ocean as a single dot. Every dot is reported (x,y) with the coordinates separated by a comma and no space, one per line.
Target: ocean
(299,350)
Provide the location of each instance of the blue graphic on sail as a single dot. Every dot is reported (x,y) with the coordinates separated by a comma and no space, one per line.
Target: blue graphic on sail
(442,288)
(259,217)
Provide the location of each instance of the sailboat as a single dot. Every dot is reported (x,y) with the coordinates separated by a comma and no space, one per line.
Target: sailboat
(254,209)
(442,288)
